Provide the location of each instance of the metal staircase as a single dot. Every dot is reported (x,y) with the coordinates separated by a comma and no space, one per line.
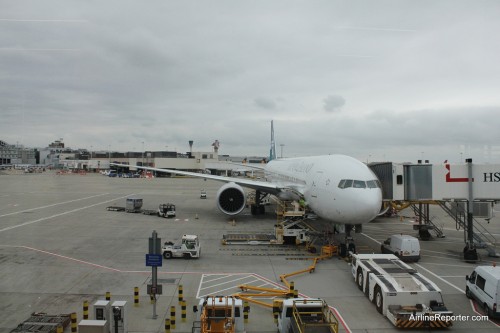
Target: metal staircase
(427,222)
(482,237)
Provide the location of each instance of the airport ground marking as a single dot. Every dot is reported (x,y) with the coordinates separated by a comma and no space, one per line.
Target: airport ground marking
(116,270)
(441,264)
(440,278)
(474,309)
(60,214)
(56,204)
(448,254)
(373,239)
(452,276)
(223,283)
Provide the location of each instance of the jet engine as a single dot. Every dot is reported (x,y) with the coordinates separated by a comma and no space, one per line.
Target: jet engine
(231,199)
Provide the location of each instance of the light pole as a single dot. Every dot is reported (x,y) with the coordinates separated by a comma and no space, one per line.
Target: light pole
(282,145)
(142,153)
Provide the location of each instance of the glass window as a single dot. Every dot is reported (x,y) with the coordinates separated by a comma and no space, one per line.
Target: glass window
(480,282)
(348,183)
(341,184)
(371,184)
(359,184)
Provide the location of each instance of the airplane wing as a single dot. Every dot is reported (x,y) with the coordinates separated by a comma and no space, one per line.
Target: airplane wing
(253,184)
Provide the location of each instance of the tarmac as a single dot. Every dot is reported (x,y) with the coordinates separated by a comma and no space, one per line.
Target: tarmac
(59,247)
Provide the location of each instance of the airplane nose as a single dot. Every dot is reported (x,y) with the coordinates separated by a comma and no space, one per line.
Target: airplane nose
(368,205)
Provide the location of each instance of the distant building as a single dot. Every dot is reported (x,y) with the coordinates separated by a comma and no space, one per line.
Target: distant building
(16,154)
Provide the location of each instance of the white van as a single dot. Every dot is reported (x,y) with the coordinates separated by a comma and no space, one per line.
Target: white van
(484,285)
(405,247)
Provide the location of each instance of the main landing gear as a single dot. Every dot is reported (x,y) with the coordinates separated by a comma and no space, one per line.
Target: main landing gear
(348,245)
(258,208)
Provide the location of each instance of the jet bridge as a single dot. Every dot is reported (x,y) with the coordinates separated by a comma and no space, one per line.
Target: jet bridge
(465,191)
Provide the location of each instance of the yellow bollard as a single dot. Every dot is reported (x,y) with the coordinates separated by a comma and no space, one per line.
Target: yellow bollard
(172,317)
(73,322)
(85,310)
(136,296)
(108,296)
(246,309)
(183,311)
(59,329)
(181,293)
(167,325)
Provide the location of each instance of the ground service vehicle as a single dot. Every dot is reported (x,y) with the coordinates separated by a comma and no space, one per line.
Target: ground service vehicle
(302,315)
(407,298)
(484,285)
(219,314)
(133,205)
(203,194)
(166,210)
(189,248)
(405,247)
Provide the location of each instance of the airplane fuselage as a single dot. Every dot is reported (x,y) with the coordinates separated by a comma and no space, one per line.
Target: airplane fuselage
(337,188)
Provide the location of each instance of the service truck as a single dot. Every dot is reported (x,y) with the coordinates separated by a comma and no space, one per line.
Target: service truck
(188,248)
(407,298)
(166,210)
(219,314)
(306,315)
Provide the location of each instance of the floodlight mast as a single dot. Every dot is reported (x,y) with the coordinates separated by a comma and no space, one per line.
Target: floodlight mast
(272,151)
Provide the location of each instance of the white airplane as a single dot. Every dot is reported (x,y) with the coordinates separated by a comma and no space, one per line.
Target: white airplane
(337,188)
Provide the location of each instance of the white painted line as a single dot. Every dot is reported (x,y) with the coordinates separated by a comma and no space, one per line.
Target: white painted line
(220,290)
(57,204)
(220,284)
(472,305)
(453,276)
(373,239)
(439,257)
(450,284)
(441,264)
(447,254)
(219,278)
(57,215)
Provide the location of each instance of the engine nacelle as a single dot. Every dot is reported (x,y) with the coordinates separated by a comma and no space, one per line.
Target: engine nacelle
(231,199)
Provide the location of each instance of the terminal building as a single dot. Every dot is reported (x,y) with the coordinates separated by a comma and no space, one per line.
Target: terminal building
(58,156)
(16,154)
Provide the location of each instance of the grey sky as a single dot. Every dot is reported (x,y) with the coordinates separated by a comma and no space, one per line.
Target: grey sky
(378,80)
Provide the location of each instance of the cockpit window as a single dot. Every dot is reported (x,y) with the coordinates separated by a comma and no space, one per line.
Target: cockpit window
(346,183)
(359,184)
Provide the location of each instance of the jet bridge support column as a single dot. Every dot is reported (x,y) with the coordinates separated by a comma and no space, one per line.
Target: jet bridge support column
(470,253)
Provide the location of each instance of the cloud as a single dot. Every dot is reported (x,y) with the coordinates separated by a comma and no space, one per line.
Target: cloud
(333,103)
(223,70)
(265,103)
